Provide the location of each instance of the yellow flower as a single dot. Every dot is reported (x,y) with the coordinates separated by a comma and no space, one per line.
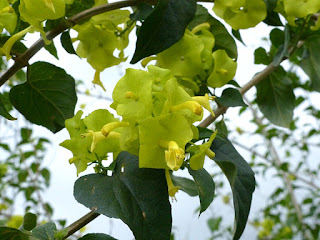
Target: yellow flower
(172,190)
(174,155)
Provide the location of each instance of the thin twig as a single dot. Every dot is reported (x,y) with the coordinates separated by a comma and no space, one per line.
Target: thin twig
(81,222)
(22,60)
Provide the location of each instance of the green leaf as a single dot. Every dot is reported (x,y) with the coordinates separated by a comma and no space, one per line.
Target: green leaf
(163,27)
(78,6)
(3,111)
(138,196)
(7,233)
(204,133)
(283,49)
(272,18)
(261,56)
(222,129)
(223,40)
(45,231)
(29,221)
(231,97)
(142,11)
(48,97)
(52,50)
(240,177)
(237,35)
(311,61)
(67,43)
(46,175)
(205,187)
(97,236)
(186,185)
(276,99)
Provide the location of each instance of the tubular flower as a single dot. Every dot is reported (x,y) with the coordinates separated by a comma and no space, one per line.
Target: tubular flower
(106,130)
(172,190)
(174,156)
(204,102)
(98,136)
(194,106)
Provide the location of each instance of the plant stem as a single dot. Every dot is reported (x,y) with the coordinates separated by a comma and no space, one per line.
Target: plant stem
(81,222)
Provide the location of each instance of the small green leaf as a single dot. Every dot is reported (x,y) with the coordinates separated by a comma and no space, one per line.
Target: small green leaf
(283,49)
(276,99)
(67,43)
(311,61)
(186,185)
(205,187)
(48,97)
(237,35)
(204,133)
(97,236)
(45,231)
(29,221)
(46,175)
(240,177)
(261,56)
(272,18)
(52,50)
(277,37)
(3,111)
(221,127)
(231,97)
(163,27)
(7,233)
(78,6)
(223,40)
(138,196)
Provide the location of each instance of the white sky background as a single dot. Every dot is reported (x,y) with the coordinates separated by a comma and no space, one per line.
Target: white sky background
(186,224)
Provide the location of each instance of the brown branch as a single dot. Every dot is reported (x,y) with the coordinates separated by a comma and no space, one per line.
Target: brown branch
(22,60)
(81,222)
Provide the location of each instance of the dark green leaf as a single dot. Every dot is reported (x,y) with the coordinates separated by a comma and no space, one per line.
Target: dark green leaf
(78,6)
(67,43)
(240,177)
(3,111)
(97,236)
(237,35)
(261,56)
(276,99)
(48,97)
(311,62)
(234,83)
(138,196)
(223,40)
(29,221)
(272,18)
(204,133)
(222,128)
(186,185)
(163,27)
(142,11)
(52,24)
(205,187)
(25,134)
(277,37)
(283,49)
(52,50)
(231,97)
(7,233)
(45,231)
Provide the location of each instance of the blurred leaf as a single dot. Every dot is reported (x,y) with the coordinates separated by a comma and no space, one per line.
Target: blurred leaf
(261,56)
(163,27)
(7,233)
(45,231)
(283,49)
(186,185)
(48,97)
(205,187)
(46,175)
(29,221)
(214,223)
(67,43)
(311,61)
(78,6)
(272,18)
(223,40)
(240,177)
(97,236)
(138,196)
(277,37)
(25,134)
(231,97)
(222,128)
(3,111)
(275,98)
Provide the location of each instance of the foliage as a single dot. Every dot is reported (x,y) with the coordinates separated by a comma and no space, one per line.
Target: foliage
(157,134)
